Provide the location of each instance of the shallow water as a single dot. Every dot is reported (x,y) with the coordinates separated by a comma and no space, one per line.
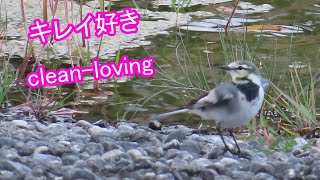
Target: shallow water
(275,34)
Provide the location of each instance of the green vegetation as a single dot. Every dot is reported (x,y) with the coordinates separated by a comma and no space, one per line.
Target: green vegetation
(6,80)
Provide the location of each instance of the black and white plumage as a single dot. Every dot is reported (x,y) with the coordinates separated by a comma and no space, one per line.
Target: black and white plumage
(231,104)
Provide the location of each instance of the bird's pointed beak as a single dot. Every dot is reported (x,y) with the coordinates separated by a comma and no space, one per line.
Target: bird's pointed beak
(224,67)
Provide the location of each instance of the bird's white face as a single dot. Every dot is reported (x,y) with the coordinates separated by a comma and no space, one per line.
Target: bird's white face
(240,70)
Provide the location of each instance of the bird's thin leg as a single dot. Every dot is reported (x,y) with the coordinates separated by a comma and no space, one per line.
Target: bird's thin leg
(234,139)
(240,154)
(225,144)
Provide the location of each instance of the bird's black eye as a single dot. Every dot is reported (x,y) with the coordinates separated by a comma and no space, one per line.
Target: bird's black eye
(240,68)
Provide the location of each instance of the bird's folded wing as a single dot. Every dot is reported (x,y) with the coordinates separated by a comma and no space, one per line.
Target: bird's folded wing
(265,83)
(220,95)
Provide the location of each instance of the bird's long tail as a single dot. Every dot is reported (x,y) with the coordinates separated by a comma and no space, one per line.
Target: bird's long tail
(164,115)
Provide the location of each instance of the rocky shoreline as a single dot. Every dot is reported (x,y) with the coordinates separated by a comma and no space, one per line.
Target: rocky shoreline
(80,150)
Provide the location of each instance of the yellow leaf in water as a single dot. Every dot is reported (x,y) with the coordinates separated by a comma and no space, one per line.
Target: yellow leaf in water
(265,27)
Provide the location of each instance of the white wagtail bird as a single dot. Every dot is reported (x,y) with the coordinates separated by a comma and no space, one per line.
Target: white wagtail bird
(230,104)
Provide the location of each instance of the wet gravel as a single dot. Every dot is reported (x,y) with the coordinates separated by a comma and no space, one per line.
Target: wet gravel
(80,150)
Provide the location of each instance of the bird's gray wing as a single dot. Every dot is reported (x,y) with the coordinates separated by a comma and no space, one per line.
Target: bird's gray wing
(265,83)
(220,95)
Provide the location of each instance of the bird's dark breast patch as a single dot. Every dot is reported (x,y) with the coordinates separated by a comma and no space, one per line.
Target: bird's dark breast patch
(250,90)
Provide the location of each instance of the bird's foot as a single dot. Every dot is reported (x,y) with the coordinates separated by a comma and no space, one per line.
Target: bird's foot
(244,156)
(239,154)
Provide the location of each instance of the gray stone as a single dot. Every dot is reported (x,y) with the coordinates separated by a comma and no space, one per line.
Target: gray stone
(20,124)
(257,167)
(40,127)
(311,177)
(77,131)
(296,151)
(147,129)
(57,149)
(254,144)
(219,167)
(171,153)
(167,176)
(149,175)
(179,135)
(156,152)
(95,163)
(186,156)
(316,163)
(123,160)
(316,171)
(125,128)
(112,154)
(93,149)
(223,177)
(76,173)
(55,167)
(243,175)
(181,175)
(140,174)
(78,141)
(145,138)
(26,149)
(173,144)
(80,164)
(98,131)
(69,159)
(143,163)
(162,168)
(14,166)
(179,164)
(300,143)
(263,176)
(135,154)
(229,162)
(200,163)
(41,150)
(317,143)
(208,173)
(65,143)
(216,152)
(305,170)
(279,156)
(4,174)
(280,168)
(308,160)
(7,175)
(7,141)
(9,153)
(128,145)
(290,174)
(84,124)
(191,147)
(314,152)
(109,145)
(44,159)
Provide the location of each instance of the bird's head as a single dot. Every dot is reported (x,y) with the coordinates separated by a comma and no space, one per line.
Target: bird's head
(243,71)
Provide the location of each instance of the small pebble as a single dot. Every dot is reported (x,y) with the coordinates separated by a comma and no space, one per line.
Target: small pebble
(155,125)
(20,123)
